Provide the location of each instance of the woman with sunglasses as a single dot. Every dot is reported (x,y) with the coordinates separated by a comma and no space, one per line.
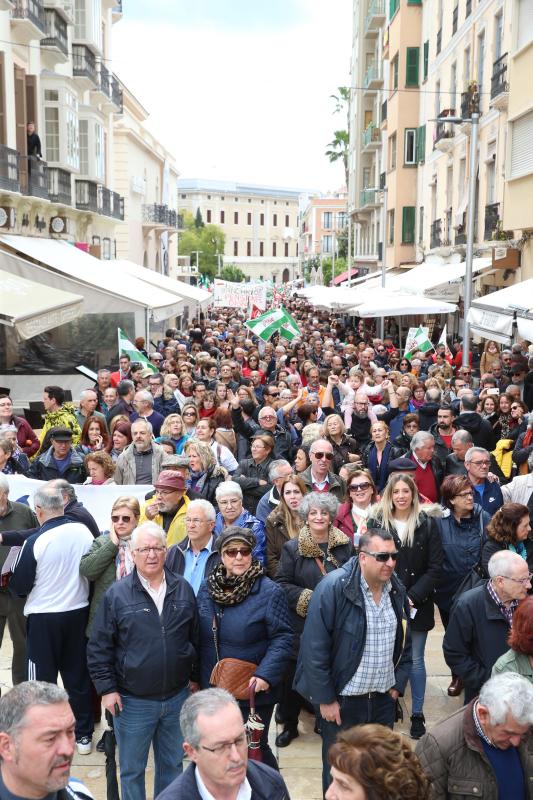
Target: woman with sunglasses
(352,515)
(418,567)
(509,529)
(253,365)
(319,549)
(244,615)
(110,558)
(190,417)
(404,366)
(345,448)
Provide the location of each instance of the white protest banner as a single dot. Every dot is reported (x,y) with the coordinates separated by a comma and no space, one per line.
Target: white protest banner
(239,295)
(98,500)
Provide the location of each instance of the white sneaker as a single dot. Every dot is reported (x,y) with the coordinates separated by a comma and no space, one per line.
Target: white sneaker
(84,745)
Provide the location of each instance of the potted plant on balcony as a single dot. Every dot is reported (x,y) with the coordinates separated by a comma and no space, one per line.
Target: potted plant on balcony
(504,257)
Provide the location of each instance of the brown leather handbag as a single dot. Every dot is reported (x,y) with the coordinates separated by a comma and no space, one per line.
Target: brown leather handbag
(232,674)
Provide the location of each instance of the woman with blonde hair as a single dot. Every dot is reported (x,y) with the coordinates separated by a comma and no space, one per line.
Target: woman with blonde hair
(284,522)
(172,428)
(204,472)
(419,563)
(345,448)
(490,355)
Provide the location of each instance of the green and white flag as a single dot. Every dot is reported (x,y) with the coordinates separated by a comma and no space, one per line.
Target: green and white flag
(126,348)
(277,320)
(417,341)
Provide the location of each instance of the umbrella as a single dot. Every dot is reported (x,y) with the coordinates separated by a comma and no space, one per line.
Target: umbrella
(110,746)
(254,728)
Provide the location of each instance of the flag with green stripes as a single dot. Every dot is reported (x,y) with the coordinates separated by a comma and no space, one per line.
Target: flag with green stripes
(127,348)
(277,320)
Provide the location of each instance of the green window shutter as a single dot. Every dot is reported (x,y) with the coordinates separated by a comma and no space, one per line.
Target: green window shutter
(421,144)
(411,66)
(408,224)
(414,2)
(393,7)
(426,59)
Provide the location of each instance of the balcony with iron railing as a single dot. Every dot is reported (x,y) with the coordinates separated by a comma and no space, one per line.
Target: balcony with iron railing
(471,101)
(9,169)
(492,217)
(116,93)
(59,186)
(499,87)
(33,176)
(158,214)
(98,199)
(56,32)
(444,131)
(436,233)
(373,78)
(439,40)
(371,137)
(375,17)
(84,63)
(87,196)
(369,197)
(29,13)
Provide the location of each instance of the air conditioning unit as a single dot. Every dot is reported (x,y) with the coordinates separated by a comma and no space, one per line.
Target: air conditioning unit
(7,217)
(59,225)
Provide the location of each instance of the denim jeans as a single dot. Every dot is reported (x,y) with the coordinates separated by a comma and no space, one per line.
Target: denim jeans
(417,676)
(141,723)
(355,710)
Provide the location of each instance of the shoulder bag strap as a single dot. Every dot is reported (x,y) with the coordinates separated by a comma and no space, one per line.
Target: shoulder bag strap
(214,628)
(320,566)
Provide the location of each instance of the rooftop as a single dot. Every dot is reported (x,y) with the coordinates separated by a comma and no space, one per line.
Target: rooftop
(232,187)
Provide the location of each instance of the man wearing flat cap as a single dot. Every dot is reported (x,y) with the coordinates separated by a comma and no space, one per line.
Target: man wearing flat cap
(168,506)
(60,460)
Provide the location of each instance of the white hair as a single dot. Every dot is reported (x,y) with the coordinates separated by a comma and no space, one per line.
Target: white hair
(152,529)
(228,488)
(205,506)
(474,451)
(145,422)
(419,438)
(501,562)
(508,693)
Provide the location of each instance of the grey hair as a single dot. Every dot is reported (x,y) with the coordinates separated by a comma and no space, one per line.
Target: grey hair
(462,437)
(501,562)
(227,488)
(145,396)
(530,462)
(8,428)
(153,529)
(321,500)
(4,484)
(6,444)
(66,488)
(85,393)
(325,442)
(274,466)
(208,702)
(508,693)
(419,438)
(48,498)
(21,698)
(433,395)
(475,451)
(205,506)
(144,421)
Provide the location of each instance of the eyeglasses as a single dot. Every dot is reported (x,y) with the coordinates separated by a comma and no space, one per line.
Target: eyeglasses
(234,501)
(382,558)
(189,414)
(273,394)
(516,408)
(360,487)
(293,361)
(233,552)
(327,456)
(480,463)
(224,749)
(523,581)
(465,494)
(267,416)
(144,551)
(165,492)
(120,518)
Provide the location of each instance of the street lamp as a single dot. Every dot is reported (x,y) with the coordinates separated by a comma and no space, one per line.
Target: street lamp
(383,189)
(473,120)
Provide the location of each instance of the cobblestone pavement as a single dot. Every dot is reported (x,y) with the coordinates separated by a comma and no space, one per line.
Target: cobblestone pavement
(300,763)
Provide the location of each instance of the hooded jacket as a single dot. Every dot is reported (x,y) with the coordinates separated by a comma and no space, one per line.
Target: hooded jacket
(461,542)
(480,429)
(427,415)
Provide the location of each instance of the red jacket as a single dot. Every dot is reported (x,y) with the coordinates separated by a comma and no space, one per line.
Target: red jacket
(26,437)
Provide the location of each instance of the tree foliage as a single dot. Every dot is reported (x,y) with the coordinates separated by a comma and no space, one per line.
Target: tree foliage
(208,239)
(233,273)
(338,147)
(198,220)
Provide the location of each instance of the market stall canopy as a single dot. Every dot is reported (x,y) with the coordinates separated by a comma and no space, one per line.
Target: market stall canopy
(31,308)
(66,266)
(494,316)
(386,304)
(182,289)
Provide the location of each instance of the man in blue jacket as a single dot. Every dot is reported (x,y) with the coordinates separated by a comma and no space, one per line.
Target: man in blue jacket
(142,657)
(355,651)
(488,494)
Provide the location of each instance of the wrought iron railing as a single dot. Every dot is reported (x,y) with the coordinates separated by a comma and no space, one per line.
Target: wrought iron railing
(56,31)
(59,186)
(498,83)
(9,169)
(33,175)
(436,233)
(84,63)
(32,10)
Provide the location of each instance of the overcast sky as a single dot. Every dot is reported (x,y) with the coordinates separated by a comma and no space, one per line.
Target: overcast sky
(240,89)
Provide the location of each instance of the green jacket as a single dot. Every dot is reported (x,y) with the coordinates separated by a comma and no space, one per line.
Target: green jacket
(511,661)
(98,565)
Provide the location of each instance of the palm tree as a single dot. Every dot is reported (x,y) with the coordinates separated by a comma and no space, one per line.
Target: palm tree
(338,148)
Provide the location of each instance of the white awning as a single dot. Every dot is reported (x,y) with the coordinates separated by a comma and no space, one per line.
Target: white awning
(182,289)
(84,273)
(492,316)
(32,308)
(384,304)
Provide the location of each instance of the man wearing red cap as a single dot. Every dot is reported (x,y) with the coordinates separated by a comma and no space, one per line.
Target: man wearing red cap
(168,506)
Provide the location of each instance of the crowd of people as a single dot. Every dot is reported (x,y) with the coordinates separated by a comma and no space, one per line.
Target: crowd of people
(307,508)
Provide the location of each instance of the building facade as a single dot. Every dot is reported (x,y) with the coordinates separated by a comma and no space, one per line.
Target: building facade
(322,221)
(260,224)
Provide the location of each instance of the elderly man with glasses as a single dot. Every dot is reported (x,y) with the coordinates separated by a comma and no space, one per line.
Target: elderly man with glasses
(144,664)
(355,651)
(268,423)
(480,621)
(318,477)
(487,493)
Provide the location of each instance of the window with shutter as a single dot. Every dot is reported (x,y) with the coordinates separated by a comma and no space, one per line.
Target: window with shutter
(393,7)
(421,144)
(426,59)
(408,224)
(525,23)
(521,150)
(411,66)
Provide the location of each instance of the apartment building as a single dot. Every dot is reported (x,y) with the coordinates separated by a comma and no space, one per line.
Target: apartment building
(517,207)
(260,224)
(145,173)
(55,71)
(321,222)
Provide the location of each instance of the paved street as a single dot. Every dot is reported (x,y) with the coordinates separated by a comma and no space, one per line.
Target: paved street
(300,763)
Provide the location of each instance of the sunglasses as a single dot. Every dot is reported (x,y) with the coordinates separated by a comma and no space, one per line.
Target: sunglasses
(189,414)
(120,518)
(382,558)
(233,552)
(327,456)
(359,487)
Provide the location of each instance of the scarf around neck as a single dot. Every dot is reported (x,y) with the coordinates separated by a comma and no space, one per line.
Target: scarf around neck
(229,590)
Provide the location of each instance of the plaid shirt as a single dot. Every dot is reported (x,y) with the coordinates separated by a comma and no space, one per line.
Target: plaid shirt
(506,611)
(375,672)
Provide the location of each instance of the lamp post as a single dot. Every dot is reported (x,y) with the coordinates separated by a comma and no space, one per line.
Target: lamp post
(383,189)
(473,120)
